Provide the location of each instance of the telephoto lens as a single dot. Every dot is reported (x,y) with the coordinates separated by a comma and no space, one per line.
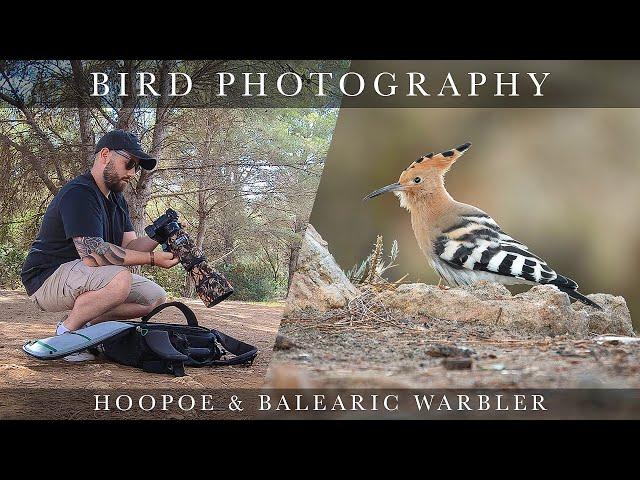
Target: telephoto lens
(212,286)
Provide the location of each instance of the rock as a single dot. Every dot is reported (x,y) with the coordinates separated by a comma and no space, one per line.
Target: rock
(186,381)
(614,319)
(284,343)
(543,309)
(616,340)
(495,366)
(288,376)
(488,291)
(318,284)
(449,351)
(457,363)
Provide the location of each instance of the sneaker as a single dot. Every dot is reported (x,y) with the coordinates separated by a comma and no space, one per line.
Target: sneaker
(86,325)
(60,323)
(82,356)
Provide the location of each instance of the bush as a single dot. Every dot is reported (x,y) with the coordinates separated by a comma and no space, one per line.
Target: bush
(11,260)
(251,282)
(171,279)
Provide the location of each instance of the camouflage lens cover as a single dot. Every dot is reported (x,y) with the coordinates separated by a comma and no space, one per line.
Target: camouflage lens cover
(211,285)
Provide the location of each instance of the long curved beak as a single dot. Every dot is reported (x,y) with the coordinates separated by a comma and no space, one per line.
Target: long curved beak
(389,188)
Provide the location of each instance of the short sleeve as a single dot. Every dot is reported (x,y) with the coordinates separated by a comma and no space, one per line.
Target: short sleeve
(81,214)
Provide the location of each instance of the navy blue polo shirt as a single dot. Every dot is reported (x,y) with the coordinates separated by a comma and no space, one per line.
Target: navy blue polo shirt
(79,209)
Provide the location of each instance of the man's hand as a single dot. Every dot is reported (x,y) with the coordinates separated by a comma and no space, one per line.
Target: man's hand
(165,259)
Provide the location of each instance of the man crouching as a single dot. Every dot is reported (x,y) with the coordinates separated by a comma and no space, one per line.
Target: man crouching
(86,240)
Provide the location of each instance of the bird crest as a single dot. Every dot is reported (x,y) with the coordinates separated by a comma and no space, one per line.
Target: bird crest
(441,161)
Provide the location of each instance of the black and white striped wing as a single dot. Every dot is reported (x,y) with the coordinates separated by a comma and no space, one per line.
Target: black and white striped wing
(478,243)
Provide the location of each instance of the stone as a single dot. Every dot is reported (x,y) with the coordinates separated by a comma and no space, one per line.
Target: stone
(288,376)
(542,310)
(449,351)
(284,343)
(614,319)
(457,363)
(318,284)
(617,340)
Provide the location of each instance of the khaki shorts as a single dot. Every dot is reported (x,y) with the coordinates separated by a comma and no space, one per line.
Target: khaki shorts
(72,279)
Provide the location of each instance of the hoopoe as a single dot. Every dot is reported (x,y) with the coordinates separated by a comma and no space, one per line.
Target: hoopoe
(461,242)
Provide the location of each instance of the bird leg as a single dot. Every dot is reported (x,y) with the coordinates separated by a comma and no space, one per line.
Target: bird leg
(441,286)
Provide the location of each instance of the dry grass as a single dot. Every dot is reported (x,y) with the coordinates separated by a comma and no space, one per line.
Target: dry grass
(365,311)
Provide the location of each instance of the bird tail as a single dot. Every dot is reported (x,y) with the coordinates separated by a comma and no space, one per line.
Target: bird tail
(568,286)
(578,296)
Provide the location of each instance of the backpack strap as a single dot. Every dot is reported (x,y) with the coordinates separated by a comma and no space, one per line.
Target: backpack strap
(186,311)
(164,366)
(244,353)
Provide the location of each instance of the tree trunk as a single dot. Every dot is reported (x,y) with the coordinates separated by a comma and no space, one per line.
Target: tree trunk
(294,249)
(86,134)
(139,197)
(125,113)
(31,120)
(35,162)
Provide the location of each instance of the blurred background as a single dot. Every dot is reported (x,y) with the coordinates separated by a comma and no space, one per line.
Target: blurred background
(565,182)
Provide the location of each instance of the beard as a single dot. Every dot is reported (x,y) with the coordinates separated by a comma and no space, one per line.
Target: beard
(111,179)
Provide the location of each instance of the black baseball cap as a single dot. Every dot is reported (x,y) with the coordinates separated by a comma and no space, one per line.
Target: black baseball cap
(127,141)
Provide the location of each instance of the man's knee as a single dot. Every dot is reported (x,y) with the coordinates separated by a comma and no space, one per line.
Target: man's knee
(153,294)
(154,303)
(159,301)
(120,284)
(147,293)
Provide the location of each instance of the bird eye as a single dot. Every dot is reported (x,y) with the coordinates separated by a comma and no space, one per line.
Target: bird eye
(417,180)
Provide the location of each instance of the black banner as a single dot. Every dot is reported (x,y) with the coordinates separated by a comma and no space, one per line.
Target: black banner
(320,83)
(327,404)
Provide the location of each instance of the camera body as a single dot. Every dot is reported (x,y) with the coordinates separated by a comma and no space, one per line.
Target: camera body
(163,226)
(212,286)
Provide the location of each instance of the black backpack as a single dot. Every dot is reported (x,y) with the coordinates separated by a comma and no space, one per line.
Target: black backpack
(167,348)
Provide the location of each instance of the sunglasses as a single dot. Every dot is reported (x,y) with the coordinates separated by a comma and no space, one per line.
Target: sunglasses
(132,163)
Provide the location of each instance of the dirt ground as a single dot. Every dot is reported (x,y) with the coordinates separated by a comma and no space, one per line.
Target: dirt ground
(421,353)
(256,324)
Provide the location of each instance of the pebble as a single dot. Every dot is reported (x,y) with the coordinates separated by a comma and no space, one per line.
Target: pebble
(457,363)
(449,351)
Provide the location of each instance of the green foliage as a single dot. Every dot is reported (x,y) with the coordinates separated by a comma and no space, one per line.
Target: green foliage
(251,281)
(11,260)
(171,279)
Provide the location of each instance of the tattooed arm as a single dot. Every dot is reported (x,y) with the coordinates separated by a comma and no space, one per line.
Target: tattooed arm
(95,252)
